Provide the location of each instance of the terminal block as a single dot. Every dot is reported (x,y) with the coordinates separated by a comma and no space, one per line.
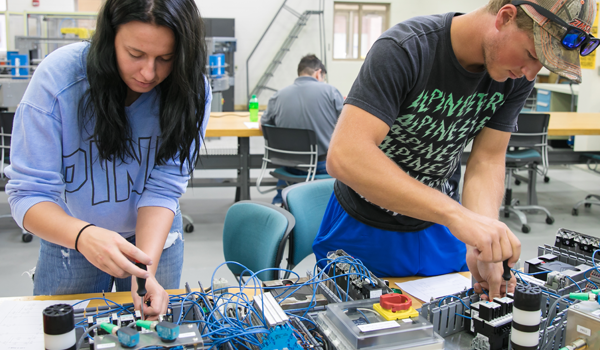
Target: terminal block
(550,263)
(358,285)
(576,242)
(491,321)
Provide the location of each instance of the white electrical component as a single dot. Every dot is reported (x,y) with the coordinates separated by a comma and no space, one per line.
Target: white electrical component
(268,306)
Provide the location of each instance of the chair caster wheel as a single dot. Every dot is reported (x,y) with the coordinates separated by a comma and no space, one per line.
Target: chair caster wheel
(27,237)
(517,182)
(588,205)
(189,228)
(525,228)
(546,179)
(506,215)
(549,220)
(574,212)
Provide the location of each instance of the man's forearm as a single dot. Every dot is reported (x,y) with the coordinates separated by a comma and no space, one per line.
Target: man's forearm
(484,187)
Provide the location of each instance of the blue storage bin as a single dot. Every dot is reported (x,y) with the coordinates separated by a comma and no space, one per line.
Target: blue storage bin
(543,100)
(19,60)
(217,65)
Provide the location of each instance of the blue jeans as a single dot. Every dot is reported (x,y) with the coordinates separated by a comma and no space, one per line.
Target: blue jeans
(61,270)
(321,169)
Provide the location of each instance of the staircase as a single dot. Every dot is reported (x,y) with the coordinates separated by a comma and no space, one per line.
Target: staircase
(283,50)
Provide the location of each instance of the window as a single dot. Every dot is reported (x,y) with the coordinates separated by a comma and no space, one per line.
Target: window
(350,19)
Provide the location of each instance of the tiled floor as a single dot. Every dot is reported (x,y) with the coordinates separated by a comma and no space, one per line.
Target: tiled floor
(208,206)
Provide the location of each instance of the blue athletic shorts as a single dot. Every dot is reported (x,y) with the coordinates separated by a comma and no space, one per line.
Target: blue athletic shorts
(429,252)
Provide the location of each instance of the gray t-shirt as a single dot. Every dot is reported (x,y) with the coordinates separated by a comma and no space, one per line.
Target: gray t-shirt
(412,80)
(306,104)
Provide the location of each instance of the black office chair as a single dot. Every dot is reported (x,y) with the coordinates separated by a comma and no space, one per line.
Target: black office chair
(592,163)
(531,137)
(288,147)
(6,124)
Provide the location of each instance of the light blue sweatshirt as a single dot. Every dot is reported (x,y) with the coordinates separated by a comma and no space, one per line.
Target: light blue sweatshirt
(53,160)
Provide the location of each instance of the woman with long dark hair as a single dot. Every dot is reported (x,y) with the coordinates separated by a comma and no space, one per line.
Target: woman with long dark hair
(103,144)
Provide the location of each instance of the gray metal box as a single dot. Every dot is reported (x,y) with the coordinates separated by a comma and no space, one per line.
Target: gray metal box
(583,322)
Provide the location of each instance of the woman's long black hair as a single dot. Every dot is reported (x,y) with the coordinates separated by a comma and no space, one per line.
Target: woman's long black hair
(182,93)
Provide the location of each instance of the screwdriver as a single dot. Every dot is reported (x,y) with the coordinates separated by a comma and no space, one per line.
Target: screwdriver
(141,282)
(506,275)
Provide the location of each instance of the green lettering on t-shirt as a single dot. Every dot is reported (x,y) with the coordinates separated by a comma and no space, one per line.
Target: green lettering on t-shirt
(435,95)
(481,102)
(450,104)
(496,99)
(416,102)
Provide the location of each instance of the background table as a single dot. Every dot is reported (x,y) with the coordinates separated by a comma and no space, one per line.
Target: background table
(223,124)
(231,124)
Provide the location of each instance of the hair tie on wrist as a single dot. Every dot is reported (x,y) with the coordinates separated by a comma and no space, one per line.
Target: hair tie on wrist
(79,234)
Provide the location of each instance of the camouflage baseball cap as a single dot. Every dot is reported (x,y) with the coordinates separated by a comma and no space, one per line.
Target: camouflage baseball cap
(548,34)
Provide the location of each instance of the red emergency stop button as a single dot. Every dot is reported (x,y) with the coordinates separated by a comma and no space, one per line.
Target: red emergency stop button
(395,302)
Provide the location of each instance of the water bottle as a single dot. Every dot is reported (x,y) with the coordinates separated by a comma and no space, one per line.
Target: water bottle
(253,109)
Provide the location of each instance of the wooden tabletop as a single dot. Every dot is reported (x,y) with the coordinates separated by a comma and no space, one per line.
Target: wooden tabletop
(572,123)
(561,124)
(230,124)
(117,297)
(125,297)
(416,303)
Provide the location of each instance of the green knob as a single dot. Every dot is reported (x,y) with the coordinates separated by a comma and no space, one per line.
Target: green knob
(145,324)
(579,296)
(109,327)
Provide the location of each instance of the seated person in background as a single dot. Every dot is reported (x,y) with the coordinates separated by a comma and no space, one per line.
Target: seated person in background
(428,87)
(306,104)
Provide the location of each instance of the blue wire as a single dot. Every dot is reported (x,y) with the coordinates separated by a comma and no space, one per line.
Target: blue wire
(463,316)
(575,283)
(233,324)
(365,316)
(452,296)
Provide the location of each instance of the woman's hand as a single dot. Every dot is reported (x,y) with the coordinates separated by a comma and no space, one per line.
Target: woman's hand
(155,294)
(111,253)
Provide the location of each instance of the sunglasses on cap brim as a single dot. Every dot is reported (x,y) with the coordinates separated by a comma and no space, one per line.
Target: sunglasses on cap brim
(574,37)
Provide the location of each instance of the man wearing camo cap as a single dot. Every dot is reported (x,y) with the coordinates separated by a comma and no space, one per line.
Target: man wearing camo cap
(428,87)
(560,32)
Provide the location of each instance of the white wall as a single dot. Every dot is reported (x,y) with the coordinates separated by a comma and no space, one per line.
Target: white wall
(251,20)
(45,6)
(342,73)
(253,17)
(588,102)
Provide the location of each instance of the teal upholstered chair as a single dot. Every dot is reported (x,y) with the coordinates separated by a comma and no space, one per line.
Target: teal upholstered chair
(255,235)
(307,201)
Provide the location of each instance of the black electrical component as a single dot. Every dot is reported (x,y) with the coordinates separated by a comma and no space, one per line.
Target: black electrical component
(59,327)
(125,320)
(526,323)
(355,282)
(100,320)
(491,320)
(547,262)
(576,242)
(360,287)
